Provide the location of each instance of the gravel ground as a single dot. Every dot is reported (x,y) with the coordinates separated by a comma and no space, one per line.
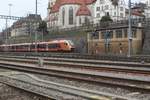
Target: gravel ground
(9,93)
(118,91)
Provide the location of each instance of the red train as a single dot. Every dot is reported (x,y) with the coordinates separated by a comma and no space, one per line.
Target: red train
(55,45)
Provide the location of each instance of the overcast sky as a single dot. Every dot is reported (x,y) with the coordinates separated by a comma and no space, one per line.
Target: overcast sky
(21,8)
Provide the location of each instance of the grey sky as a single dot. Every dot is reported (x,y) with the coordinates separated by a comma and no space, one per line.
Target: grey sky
(21,8)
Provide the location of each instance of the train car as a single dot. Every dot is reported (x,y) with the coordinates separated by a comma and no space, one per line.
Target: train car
(50,46)
(61,45)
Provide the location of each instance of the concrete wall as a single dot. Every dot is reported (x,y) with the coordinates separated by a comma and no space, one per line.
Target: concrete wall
(116,45)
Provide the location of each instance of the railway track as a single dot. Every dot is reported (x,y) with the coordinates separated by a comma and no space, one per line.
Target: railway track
(95,65)
(133,58)
(53,91)
(94,74)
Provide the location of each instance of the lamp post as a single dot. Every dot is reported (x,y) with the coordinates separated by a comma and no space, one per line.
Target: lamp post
(36,26)
(10,5)
(129,32)
(7,25)
(10,9)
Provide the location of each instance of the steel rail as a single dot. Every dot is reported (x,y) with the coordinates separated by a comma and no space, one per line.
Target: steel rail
(134,58)
(81,76)
(66,89)
(88,64)
(26,90)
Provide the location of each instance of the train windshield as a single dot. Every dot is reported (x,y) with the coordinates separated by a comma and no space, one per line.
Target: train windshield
(70,42)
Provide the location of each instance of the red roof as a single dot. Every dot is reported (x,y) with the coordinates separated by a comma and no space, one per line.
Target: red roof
(58,3)
(83,10)
(55,8)
(137,14)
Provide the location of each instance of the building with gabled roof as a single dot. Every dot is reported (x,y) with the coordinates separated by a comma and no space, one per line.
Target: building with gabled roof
(25,26)
(69,13)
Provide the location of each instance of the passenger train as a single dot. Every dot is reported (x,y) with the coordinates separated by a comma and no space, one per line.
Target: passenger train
(50,46)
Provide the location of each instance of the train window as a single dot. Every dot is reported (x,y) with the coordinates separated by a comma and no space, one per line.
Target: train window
(50,46)
(54,45)
(70,42)
(65,43)
(13,47)
(43,46)
(17,47)
(26,47)
(32,46)
(58,45)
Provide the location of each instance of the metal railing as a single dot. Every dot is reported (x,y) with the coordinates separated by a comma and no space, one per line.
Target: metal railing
(94,26)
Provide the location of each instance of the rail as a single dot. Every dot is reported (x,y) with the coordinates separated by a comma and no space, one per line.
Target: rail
(89,74)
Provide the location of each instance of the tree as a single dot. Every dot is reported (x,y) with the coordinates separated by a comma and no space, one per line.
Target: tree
(114,2)
(42,27)
(106,18)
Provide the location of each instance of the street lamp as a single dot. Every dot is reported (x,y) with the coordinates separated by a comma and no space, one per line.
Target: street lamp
(36,26)
(10,9)
(7,24)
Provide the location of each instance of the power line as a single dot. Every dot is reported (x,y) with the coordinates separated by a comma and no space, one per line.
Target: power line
(10,17)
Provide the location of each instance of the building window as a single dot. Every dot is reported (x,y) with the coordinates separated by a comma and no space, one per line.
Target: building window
(106,7)
(86,21)
(70,16)
(94,35)
(97,8)
(102,8)
(80,21)
(121,15)
(110,34)
(63,16)
(103,34)
(134,33)
(121,3)
(101,2)
(107,13)
(125,33)
(121,8)
(98,15)
(114,13)
(119,33)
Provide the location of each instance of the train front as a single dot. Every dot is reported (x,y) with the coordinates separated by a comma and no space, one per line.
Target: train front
(71,45)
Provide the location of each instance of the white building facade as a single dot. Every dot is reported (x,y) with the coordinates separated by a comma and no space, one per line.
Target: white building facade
(25,26)
(147,10)
(71,13)
(105,7)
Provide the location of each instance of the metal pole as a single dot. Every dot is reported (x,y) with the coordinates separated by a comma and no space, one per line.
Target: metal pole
(9,15)
(10,9)
(36,26)
(7,25)
(129,32)
(6,33)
